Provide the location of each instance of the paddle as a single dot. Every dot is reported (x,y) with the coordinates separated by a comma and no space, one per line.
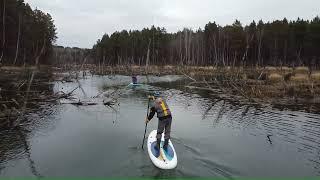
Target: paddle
(145,129)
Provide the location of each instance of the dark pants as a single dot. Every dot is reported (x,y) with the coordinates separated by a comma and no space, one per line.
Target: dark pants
(164,124)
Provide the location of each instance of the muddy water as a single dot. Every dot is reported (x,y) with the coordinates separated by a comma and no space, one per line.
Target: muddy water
(213,137)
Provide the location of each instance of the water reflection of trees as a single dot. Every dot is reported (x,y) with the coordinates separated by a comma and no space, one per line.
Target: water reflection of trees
(296,128)
(272,124)
(14,145)
(14,141)
(14,136)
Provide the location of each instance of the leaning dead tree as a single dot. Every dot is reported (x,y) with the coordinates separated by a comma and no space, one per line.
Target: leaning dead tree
(18,41)
(41,53)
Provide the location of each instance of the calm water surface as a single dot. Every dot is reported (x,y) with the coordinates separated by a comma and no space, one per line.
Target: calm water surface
(212,137)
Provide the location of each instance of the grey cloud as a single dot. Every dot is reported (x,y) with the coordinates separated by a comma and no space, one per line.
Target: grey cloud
(81,22)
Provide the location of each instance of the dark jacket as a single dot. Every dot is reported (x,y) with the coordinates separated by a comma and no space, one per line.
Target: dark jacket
(134,80)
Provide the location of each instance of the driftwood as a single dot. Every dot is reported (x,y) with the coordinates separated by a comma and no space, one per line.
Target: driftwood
(204,88)
(14,109)
(225,86)
(109,103)
(82,103)
(189,77)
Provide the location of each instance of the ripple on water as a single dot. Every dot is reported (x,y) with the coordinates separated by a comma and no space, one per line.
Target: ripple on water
(218,169)
(231,127)
(299,129)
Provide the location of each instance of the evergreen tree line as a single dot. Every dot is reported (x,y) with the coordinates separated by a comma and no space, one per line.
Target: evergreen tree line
(26,35)
(274,43)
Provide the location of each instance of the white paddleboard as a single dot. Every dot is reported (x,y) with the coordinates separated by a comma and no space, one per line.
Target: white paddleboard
(165,159)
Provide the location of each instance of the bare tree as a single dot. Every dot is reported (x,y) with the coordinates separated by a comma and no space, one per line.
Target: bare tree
(245,55)
(24,56)
(259,47)
(4,29)
(148,54)
(180,48)
(186,44)
(18,41)
(40,54)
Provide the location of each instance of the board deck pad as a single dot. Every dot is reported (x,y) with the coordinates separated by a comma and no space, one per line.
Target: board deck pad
(155,151)
(169,153)
(163,159)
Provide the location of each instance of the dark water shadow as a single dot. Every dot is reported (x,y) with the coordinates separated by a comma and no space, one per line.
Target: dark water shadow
(14,145)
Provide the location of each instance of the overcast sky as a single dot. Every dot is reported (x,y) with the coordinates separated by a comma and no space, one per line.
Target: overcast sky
(81,23)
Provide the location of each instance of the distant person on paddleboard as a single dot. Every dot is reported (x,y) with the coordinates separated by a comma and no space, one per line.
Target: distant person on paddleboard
(160,107)
(134,79)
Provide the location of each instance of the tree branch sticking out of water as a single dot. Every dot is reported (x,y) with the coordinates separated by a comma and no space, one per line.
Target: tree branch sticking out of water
(189,77)
(25,100)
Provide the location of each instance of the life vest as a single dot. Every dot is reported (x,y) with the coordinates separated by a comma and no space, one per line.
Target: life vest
(161,108)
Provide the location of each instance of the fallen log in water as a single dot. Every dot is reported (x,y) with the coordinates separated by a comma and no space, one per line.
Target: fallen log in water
(204,88)
(82,103)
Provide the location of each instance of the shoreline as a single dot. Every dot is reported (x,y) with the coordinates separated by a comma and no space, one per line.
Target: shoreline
(259,85)
(272,85)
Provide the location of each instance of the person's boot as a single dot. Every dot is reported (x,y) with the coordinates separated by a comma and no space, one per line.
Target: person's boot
(158,144)
(166,142)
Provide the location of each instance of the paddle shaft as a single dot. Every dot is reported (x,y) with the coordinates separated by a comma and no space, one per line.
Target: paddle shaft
(145,129)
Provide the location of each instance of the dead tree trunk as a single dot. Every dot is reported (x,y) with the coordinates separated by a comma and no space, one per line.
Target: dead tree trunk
(215,47)
(189,47)
(40,54)
(148,54)
(245,55)
(24,57)
(285,53)
(4,29)
(259,48)
(180,49)
(18,41)
(147,61)
(186,45)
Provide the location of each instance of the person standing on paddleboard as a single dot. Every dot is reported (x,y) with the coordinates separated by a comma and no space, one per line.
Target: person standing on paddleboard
(134,79)
(160,107)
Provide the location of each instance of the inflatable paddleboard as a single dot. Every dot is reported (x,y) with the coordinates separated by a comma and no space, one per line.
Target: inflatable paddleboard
(134,85)
(163,159)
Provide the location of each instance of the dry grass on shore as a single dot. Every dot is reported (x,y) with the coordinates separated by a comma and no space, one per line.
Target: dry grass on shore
(272,74)
(275,77)
(315,76)
(299,78)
